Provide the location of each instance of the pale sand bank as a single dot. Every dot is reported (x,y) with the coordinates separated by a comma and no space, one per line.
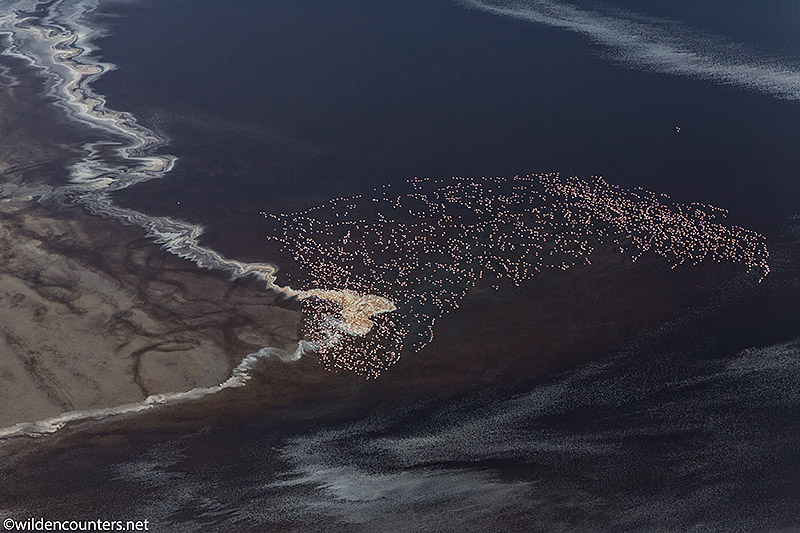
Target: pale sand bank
(92,316)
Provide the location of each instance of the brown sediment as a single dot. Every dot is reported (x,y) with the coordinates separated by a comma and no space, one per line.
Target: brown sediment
(92,315)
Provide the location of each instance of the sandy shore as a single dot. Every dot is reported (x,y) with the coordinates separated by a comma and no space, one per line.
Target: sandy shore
(92,316)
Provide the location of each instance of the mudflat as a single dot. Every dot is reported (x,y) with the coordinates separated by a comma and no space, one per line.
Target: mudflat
(93,314)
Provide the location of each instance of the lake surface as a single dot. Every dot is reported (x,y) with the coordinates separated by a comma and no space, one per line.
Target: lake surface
(303,102)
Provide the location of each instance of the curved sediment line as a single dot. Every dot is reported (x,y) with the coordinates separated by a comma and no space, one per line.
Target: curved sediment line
(51,46)
(54,38)
(64,55)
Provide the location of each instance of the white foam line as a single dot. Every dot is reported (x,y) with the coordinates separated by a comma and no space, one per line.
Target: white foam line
(649,43)
(57,41)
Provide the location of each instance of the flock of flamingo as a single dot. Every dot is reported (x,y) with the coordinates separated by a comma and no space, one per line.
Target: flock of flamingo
(419,252)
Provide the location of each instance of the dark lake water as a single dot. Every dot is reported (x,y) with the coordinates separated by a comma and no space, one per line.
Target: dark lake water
(275,105)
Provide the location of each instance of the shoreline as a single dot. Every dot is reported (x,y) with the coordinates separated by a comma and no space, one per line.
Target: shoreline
(99,318)
(58,44)
(96,314)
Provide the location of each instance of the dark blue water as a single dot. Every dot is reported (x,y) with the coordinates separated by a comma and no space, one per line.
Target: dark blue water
(275,105)
(770,27)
